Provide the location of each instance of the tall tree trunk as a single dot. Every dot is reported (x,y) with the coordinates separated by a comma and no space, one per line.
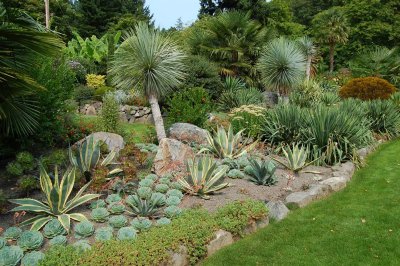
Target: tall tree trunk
(331,56)
(47,13)
(158,120)
(308,67)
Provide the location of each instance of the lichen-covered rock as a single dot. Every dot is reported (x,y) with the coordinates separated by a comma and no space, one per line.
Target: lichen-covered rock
(222,239)
(114,141)
(336,183)
(188,133)
(277,210)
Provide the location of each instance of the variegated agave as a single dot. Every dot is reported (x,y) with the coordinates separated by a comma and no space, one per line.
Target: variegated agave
(57,203)
(204,177)
(143,207)
(296,158)
(225,144)
(88,157)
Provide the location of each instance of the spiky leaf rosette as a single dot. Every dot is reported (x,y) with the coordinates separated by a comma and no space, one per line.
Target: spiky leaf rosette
(32,259)
(173,201)
(30,240)
(118,221)
(84,229)
(142,207)
(144,192)
(159,198)
(12,233)
(98,204)
(112,198)
(141,224)
(116,208)
(53,228)
(126,233)
(104,234)
(100,215)
(11,255)
(172,211)
(163,221)
(82,245)
(59,240)
(262,173)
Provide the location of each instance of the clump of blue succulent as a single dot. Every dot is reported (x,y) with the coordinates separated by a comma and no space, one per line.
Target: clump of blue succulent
(100,215)
(58,241)
(116,208)
(163,221)
(98,204)
(175,192)
(141,224)
(112,198)
(118,221)
(53,228)
(11,255)
(84,229)
(30,240)
(162,188)
(82,245)
(32,258)
(3,242)
(126,233)
(12,233)
(104,234)
(173,201)
(172,211)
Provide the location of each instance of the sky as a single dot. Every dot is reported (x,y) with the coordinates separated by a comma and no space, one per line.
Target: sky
(167,12)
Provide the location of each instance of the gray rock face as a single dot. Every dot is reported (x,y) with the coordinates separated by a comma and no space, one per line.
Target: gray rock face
(114,141)
(277,210)
(271,98)
(222,239)
(336,183)
(179,258)
(187,133)
(303,198)
(91,110)
(171,156)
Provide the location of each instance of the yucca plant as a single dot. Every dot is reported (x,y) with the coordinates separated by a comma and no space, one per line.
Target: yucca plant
(262,173)
(204,177)
(57,203)
(227,144)
(88,157)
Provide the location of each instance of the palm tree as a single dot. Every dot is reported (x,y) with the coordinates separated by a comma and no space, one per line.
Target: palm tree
(282,65)
(148,60)
(331,27)
(309,50)
(22,39)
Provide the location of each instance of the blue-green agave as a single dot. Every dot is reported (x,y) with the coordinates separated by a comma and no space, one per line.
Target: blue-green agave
(159,198)
(144,192)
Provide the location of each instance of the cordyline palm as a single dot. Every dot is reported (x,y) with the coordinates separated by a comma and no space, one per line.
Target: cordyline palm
(21,40)
(331,27)
(307,47)
(282,65)
(232,39)
(148,60)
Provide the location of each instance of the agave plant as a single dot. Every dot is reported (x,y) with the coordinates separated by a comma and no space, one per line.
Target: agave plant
(53,228)
(126,233)
(88,157)
(159,198)
(204,178)
(84,229)
(104,234)
(57,204)
(296,158)
(141,224)
(30,240)
(262,173)
(227,144)
(32,258)
(59,240)
(143,207)
(11,255)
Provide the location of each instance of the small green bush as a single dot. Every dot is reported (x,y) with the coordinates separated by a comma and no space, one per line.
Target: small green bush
(235,98)
(26,160)
(61,255)
(83,93)
(109,115)
(100,92)
(28,183)
(189,106)
(14,169)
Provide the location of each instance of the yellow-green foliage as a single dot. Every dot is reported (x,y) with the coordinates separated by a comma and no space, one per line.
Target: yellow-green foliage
(249,118)
(368,88)
(95,81)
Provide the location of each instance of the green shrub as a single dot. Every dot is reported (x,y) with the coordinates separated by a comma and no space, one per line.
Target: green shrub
(26,160)
(306,94)
(28,183)
(189,106)
(61,255)
(83,93)
(369,88)
(384,117)
(95,81)
(249,118)
(57,157)
(109,115)
(235,98)
(14,169)
(100,92)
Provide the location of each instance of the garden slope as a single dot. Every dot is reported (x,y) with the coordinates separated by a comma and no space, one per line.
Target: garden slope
(357,226)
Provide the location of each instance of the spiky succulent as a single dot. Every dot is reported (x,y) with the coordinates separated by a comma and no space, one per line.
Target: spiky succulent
(132,200)
(82,245)
(159,198)
(118,221)
(163,221)
(112,198)
(104,234)
(173,201)
(98,204)
(172,211)
(235,173)
(175,192)
(30,240)
(146,183)
(3,242)
(32,259)
(11,255)
(144,192)
(162,188)
(142,207)
(100,215)
(126,233)
(262,173)
(152,177)
(84,229)
(53,228)
(59,240)
(12,233)
(116,208)
(141,224)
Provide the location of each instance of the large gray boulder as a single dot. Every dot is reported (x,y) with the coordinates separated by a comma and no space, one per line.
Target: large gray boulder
(277,210)
(114,141)
(187,133)
(171,156)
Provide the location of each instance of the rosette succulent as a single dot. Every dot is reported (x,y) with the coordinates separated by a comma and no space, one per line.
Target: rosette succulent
(11,255)
(32,259)
(173,201)
(30,240)
(163,221)
(159,198)
(118,221)
(172,211)
(98,204)
(175,192)
(162,188)
(100,215)
(3,242)
(146,183)
(176,185)
(132,200)
(53,228)
(84,229)
(82,245)
(112,198)
(152,177)
(12,233)
(126,233)
(143,208)
(235,174)
(164,180)
(104,234)
(144,192)
(116,208)
(141,224)
(58,240)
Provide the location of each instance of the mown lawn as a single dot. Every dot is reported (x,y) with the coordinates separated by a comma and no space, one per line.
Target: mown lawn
(357,226)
